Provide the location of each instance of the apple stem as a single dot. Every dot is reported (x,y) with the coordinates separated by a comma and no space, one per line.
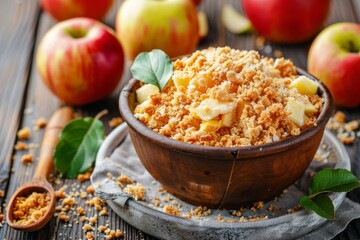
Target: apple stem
(76,33)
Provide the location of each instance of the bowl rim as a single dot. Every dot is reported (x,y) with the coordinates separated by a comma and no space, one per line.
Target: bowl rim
(238,151)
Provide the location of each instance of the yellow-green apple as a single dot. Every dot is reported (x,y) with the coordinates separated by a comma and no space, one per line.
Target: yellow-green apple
(66,9)
(334,58)
(169,25)
(287,21)
(81,60)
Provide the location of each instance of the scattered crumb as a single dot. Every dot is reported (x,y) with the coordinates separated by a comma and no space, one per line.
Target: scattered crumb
(124,179)
(21,146)
(90,189)
(170,209)
(115,121)
(1,195)
(24,133)
(278,53)
(260,43)
(27,158)
(102,228)
(87,227)
(346,132)
(137,191)
(41,123)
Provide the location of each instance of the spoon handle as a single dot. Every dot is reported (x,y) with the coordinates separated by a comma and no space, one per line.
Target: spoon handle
(51,136)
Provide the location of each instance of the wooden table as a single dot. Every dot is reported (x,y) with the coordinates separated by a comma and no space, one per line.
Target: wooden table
(24,99)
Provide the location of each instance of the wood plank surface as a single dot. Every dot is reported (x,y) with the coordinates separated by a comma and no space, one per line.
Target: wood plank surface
(24,99)
(16,44)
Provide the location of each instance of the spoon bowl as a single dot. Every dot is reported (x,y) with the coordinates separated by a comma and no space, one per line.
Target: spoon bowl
(39,183)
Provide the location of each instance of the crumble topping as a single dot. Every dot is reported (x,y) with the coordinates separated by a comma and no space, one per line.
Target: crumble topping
(228,97)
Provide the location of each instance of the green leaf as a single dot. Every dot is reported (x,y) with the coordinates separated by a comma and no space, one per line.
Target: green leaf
(321,204)
(78,144)
(153,67)
(333,180)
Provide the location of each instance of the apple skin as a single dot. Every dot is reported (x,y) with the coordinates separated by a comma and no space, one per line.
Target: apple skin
(80,60)
(332,60)
(196,2)
(287,21)
(169,25)
(66,9)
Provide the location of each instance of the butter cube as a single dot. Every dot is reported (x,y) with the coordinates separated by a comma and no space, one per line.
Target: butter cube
(296,109)
(143,93)
(304,85)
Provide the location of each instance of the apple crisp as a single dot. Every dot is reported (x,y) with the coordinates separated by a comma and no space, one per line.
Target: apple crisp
(227,97)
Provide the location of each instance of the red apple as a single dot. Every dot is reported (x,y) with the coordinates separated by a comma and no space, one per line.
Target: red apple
(196,2)
(80,60)
(334,58)
(287,21)
(65,9)
(169,25)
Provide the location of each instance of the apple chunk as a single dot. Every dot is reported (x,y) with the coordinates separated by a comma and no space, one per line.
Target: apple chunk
(143,93)
(296,110)
(304,85)
(210,126)
(233,20)
(203,24)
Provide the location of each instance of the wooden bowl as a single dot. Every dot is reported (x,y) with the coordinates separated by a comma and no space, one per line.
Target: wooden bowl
(224,177)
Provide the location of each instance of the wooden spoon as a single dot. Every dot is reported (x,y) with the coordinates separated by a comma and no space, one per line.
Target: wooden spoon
(39,183)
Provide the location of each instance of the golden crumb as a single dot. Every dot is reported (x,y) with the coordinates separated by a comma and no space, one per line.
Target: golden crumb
(83,219)
(199,212)
(278,53)
(346,132)
(60,193)
(90,189)
(340,117)
(83,194)
(137,191)
(27,158)
(84,177)
(272,208)
(41,122)
(63,217)
(118,233)
(109,175)
(21,146)
(1,193)
(103,212)
(2,217)
(93,219)
(351,126)
(124,179)
(24,133)
(31,208)
(170,209)
(87,227)
(115,121)
(68,201)
(80,210)
(89,236)
(102,228)
(260,42)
